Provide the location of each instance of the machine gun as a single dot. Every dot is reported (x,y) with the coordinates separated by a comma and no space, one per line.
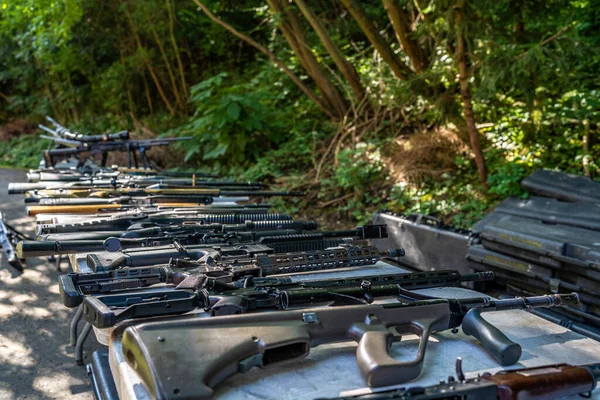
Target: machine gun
(77,145)
(103,148)
(147,230)
(62,132)
(546,382)
(219,205)
(110,309)
(202,234)
(221,347)
(123,221)
(223,264)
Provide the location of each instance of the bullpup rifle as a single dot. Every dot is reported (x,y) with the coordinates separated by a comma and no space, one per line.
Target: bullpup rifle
(110,309)
(218,348)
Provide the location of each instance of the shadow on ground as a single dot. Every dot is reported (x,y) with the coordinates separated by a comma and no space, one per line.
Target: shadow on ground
(36,361)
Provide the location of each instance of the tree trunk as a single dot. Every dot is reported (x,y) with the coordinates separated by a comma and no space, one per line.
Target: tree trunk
(401,25)
(174,86)
(74,110)
(176,48)
(147,91)
(318,101)
(343,65)
(148,63)
(465,94)
(294,34)
(398,67)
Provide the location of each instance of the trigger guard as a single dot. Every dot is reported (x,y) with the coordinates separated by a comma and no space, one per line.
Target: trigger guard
(378,367)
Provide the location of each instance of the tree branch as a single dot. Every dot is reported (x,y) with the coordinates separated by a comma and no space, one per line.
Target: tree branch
(545,41)
(319,102)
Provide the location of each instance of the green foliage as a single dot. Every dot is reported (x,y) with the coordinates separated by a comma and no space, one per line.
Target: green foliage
(23,151)
(231,123)
(164,67)
(505,180)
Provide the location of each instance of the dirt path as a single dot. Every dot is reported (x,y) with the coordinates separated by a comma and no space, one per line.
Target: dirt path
(36,361)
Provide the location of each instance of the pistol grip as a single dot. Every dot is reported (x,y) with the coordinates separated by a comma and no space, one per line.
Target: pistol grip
(500,347)
(379,368)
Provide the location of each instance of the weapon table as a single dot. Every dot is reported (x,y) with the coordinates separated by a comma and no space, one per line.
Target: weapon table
(331,369)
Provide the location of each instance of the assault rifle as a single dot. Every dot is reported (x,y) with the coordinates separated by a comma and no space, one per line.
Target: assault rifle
(224,346)
(122,221)
(141,200)
(224,264)
(64,189)
(146,205)
(108,310)
(219,205)
(545,382)
(197,255)
(203,234)
(66,195)
(124,201)
(73,175)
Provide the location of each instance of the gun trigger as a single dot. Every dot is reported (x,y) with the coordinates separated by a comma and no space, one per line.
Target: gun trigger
(248,363)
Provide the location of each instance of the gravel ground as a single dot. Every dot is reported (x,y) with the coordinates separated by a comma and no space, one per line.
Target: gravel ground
(36,361)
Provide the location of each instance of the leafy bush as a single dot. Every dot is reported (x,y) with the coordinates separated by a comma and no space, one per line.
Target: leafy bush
(23,151)
(233,124)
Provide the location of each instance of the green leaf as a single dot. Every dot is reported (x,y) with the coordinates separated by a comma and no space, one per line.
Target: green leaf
(233,111)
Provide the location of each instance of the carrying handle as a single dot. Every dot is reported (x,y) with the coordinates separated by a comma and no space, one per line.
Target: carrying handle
(496,343)
(377,365)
